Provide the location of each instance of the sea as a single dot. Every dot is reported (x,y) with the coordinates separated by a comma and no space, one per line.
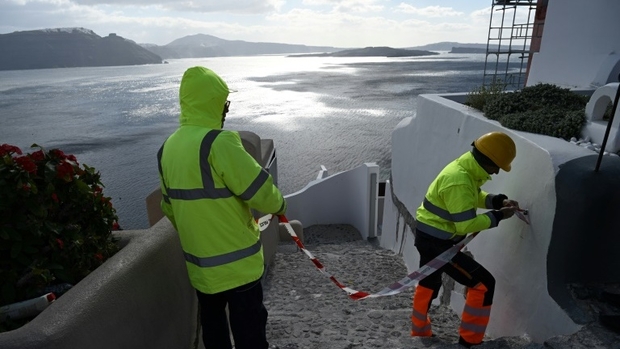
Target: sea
(337,112)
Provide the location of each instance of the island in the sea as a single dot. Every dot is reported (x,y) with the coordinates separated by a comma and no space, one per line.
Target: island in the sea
(468,50)
(380,51)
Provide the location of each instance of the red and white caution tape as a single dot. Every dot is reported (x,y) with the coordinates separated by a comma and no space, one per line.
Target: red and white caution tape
(395,288)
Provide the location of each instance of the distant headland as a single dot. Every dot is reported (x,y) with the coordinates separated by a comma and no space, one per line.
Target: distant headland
(81,47)
(69,47)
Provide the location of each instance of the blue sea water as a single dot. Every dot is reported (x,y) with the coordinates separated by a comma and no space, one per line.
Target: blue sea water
(331,111)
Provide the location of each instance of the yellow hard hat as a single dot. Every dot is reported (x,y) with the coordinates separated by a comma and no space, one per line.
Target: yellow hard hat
(498,147)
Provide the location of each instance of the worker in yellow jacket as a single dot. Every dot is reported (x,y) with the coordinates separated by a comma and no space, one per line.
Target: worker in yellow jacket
(447,214)
(209,185)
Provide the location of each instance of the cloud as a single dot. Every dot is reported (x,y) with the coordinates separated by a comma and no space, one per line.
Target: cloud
(349,30)
(201,6)
(429,11)
(347,6)
(338,23)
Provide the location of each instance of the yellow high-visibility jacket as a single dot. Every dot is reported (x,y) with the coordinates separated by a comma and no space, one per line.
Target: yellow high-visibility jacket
(209,185)
(449,209)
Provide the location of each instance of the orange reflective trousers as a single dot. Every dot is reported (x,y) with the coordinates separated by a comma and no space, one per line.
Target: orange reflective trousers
(464,270)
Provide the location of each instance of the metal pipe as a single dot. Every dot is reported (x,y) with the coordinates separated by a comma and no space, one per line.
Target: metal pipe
(611,120)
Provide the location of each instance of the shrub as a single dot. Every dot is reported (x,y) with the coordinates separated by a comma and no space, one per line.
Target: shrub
(533,98)
(55,222)
(547,121)
(480,96)
(543,108)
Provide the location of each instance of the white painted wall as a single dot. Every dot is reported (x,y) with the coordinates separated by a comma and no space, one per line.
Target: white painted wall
(596,126)
(514,252)
(337,199)
(395,235)
(580,44)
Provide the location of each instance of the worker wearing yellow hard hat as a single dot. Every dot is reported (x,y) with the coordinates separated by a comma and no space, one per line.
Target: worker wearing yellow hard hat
(447,214)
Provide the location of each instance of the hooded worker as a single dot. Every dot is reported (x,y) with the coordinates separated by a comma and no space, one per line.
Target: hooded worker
(209,185)
(447,214)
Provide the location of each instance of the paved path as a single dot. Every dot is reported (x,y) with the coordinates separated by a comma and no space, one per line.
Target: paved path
(308,311)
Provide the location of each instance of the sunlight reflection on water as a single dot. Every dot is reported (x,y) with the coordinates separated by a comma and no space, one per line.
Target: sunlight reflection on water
(337,112)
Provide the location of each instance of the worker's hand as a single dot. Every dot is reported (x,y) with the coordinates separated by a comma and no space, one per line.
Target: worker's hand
(508,211)
(510,203)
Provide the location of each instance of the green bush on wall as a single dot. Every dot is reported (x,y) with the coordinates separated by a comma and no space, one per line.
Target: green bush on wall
(480,96)
(55,224)
(543,108)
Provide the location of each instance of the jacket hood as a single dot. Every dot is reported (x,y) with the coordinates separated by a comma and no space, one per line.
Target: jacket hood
(202,96)
(469,164)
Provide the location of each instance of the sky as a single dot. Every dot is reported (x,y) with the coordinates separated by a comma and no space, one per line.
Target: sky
(337,23)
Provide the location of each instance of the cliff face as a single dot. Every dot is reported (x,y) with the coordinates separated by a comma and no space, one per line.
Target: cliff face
(71,47)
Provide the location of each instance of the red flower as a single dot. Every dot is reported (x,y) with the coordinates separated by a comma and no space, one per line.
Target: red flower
(55,197)
(27,164)
(64,170)
(9,149)
(60,243)
(72,158)
(26,187)
(37,155)
(116,226)
(58,153)
(99,256)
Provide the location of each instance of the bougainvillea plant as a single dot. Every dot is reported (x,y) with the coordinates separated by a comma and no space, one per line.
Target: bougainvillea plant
(55,223)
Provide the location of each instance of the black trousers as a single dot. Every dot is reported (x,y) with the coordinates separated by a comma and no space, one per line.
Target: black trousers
(462,268)
(248,318)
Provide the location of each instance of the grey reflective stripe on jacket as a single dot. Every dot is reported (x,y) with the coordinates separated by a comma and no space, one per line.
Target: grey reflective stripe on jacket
(432,231)
(452,217)
(223,258)
(443,214)
(255,186)
(209,191)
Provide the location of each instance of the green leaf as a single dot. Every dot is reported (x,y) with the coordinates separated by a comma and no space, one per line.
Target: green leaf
(16,249)
(83,187)
(30,249)
(64,275)
(39,211)
(51,226)
(55,266)
(24,260)
(16,236)
(8,293)
(50,171)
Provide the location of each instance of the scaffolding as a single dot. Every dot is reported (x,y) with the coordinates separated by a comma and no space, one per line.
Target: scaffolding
(515,30)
